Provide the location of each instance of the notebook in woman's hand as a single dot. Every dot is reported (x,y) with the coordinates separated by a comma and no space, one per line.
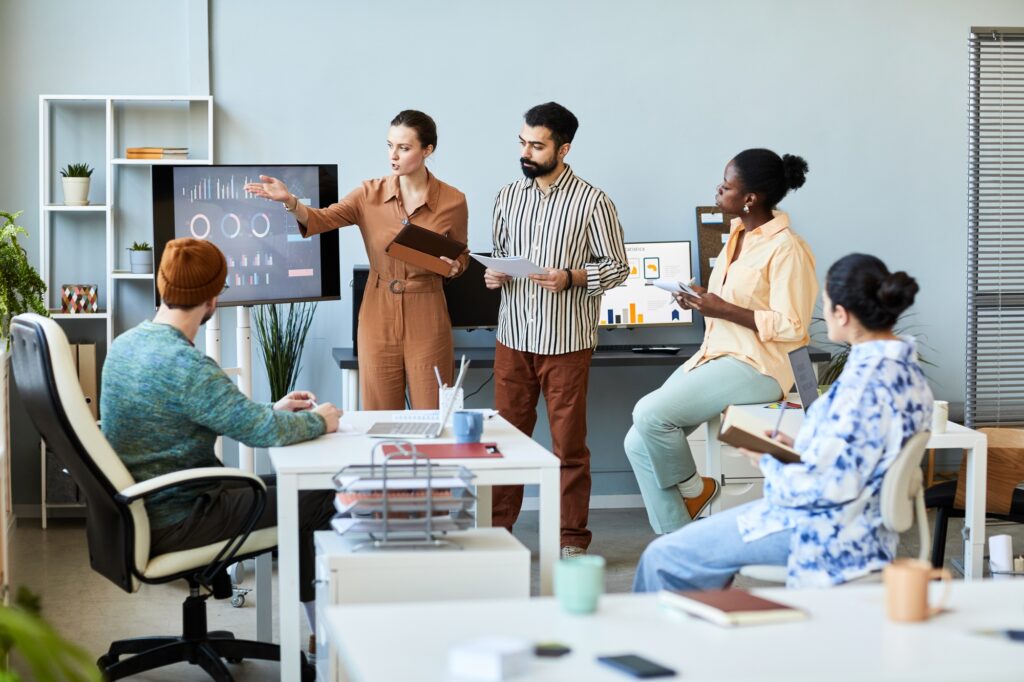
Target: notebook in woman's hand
(742,430)
(419,246)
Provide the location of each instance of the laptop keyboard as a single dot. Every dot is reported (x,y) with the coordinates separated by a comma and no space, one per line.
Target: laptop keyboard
(403,428)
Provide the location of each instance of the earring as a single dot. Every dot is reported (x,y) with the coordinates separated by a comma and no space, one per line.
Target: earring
(746,208)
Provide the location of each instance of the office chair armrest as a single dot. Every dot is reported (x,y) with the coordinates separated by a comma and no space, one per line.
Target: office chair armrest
(208,474)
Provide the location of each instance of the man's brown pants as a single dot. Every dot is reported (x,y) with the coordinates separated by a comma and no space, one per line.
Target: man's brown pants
(520,378)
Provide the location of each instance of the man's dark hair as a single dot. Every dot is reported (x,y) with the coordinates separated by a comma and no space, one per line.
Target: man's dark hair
(426,129)
(556,118)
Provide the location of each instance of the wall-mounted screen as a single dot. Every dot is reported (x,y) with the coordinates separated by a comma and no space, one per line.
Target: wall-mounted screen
(637,302)
(268,259)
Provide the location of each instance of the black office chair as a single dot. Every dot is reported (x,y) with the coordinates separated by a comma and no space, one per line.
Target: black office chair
(117,525)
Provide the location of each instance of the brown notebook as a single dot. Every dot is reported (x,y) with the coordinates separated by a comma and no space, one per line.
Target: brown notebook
(741,430)
(419,246)
(730,607)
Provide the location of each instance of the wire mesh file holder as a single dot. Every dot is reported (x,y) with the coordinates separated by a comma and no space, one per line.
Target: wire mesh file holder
(399,502)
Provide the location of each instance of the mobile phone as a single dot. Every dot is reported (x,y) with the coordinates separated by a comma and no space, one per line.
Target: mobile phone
(637,666)
(550,650)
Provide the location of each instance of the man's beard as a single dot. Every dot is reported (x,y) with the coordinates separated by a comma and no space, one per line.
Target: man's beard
(536,170)
(207,317)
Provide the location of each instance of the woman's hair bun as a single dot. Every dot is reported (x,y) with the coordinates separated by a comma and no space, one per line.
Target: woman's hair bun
(897,291)
(794,170)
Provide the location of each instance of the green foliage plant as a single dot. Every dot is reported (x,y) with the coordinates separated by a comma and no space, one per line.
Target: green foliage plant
(137,246)
(281,339)
(840,352)
(22,290)
(26,637)
(76,170)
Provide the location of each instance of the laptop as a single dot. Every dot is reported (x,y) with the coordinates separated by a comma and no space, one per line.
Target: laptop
(419,429)
(806,379)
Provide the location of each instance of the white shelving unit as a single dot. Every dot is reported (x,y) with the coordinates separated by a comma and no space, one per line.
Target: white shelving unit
(129,120)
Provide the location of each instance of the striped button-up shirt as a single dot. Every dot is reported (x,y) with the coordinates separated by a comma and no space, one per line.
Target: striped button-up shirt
(575,226)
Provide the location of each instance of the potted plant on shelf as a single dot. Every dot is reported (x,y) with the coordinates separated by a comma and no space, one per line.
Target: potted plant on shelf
(75,178)
(141,255)
(281,340)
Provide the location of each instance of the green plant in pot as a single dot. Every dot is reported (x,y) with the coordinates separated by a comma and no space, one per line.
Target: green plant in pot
(840,352)
(75,179)
(22,290)
(141,256)
(281,338)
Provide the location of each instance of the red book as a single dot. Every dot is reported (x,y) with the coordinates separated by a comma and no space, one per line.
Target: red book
(730,607)
(449,450)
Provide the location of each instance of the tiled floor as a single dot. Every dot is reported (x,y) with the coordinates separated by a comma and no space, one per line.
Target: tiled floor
(90,611)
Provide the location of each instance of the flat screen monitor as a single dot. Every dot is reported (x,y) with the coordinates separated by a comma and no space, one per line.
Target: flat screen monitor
(637,302)
(268,259)
(471,305)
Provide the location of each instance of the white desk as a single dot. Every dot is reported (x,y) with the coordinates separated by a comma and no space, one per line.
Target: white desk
(956,437)
(847,638)
(310,465)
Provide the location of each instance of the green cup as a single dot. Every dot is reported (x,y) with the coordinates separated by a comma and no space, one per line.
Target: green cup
(579,582)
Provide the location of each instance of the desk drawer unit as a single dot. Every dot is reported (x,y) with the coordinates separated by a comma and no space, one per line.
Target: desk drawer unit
(489,564)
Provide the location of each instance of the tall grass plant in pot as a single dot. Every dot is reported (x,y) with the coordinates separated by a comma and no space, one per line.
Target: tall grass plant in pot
(281,334)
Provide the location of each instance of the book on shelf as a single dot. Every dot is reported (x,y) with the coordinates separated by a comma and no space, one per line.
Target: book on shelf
(743,430)
(730,607)
(156,153)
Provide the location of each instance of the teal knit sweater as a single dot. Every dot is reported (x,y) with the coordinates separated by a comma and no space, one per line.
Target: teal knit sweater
(163,404)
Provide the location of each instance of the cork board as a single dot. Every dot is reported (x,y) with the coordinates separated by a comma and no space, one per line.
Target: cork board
(712,229)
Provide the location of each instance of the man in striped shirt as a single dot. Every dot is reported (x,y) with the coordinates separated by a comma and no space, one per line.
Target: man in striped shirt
(547,324)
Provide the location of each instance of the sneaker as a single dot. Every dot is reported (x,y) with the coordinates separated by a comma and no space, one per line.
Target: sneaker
(568,552)
(696,505)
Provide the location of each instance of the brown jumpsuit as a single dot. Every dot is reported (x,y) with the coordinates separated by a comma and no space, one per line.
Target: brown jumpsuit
(404,328)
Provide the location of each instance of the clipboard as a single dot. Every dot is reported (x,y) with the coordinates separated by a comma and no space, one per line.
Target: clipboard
(421,247)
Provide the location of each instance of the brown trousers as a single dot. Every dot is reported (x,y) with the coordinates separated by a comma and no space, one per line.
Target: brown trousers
(402,337)
(519,379)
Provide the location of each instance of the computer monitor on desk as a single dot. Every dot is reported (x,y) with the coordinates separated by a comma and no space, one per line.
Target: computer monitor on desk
(637,302)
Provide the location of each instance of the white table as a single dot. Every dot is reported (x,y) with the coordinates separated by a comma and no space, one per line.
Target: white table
(310,465)
(956,437)
(847,637)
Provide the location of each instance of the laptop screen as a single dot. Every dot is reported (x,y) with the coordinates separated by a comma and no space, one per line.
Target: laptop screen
(806,379)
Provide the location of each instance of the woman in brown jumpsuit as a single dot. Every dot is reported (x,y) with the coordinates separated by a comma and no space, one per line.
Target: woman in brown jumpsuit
(404,328)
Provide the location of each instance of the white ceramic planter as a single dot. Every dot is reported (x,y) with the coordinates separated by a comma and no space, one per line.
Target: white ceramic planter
(76,191)
(142,261)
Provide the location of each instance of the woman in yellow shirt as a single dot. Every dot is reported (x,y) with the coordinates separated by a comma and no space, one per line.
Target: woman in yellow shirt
(757,308)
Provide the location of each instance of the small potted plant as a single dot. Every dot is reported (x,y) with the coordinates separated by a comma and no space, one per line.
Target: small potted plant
(75,178)
(141,258)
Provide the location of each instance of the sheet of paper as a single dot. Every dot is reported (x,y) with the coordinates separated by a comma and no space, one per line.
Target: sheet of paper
(513,267)
(675,287)
(711,218)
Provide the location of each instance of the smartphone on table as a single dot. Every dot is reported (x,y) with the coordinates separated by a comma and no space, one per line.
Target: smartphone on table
(637,666)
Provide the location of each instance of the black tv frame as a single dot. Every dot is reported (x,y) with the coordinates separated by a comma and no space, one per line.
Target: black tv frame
(330,261)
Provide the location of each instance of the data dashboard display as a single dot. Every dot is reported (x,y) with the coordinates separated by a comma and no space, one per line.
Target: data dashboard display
(637,302)
(268,258)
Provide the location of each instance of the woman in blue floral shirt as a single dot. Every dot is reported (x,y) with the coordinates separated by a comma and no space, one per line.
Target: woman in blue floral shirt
(821,518)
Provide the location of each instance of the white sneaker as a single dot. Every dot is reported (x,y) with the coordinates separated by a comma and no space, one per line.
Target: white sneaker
(568,552)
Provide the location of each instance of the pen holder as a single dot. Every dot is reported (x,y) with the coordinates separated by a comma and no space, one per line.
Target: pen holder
(444,395)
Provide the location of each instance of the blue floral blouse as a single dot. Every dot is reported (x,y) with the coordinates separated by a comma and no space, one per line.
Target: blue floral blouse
(849,438)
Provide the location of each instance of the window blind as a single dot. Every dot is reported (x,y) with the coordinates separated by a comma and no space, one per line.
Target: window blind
(995,250)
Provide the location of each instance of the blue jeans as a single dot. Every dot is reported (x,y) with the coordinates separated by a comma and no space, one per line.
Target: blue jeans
(706,555)
(656,445)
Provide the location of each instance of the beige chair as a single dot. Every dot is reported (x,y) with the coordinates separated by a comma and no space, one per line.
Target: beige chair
(117,525)
(902,497)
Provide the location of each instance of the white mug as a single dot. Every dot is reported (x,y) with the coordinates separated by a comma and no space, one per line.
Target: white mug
(940,416)
(444,395)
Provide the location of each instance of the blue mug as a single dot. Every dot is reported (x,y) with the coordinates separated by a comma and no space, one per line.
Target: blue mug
(468,426)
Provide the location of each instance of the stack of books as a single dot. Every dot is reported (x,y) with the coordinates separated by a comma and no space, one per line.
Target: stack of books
(156,153)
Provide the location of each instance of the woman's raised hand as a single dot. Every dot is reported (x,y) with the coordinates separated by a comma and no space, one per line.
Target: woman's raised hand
(269,188)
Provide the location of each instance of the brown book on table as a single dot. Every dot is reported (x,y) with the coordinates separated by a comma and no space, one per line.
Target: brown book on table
(419,246)
(730,607)
(741,430)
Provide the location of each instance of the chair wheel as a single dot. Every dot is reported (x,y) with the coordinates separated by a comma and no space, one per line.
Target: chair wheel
(238,601)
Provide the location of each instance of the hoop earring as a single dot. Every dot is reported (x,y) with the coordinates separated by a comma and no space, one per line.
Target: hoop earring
(746,208)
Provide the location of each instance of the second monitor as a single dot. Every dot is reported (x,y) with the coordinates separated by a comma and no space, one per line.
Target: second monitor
(637,302)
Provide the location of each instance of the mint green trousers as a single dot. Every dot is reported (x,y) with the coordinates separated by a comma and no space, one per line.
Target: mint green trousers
(656,444)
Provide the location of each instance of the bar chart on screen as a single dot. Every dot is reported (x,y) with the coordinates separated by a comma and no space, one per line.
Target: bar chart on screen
(637,302)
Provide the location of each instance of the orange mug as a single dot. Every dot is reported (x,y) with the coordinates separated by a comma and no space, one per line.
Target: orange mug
(906,590)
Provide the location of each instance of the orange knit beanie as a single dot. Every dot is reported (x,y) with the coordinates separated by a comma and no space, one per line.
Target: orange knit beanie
(192,271)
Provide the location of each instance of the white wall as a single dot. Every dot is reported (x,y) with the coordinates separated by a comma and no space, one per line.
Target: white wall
(872,93)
